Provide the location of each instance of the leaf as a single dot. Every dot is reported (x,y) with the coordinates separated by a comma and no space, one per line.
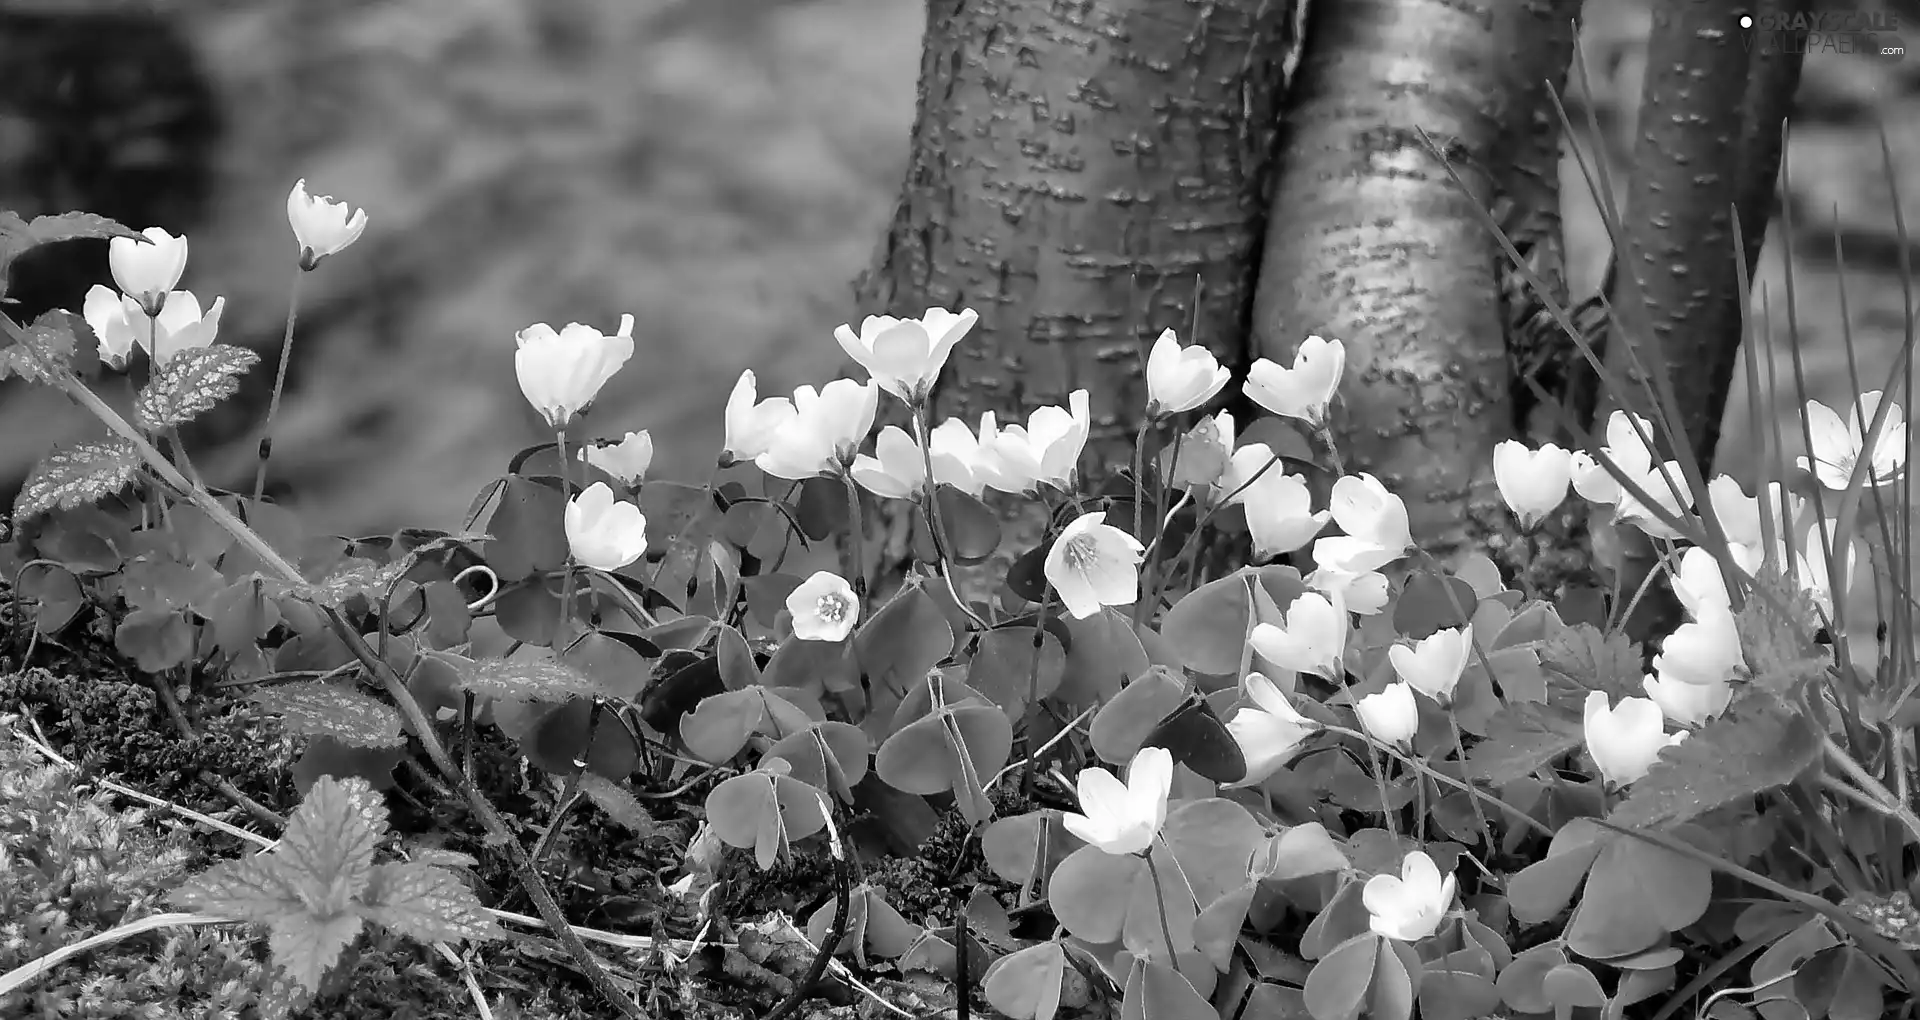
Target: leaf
(1776,626)
(19,236)
(191,383)
(1337,986)
(252,889)
(1521,738)
(357,578)
(48,349)
(1587,660)
(621,806)
(327,849)
(1430,602)
(156,639)
(305,948)
(1026,984)
(314,708)
(76,475)
(526,680)
(1757,745)
(426,903)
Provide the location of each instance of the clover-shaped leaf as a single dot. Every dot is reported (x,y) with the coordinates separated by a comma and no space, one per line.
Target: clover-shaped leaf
(826,755)
(1007,658)
(765,810)
(1026,985)
(949,748)
(1635,892)
(905,639)
(719,726)
(873,925)
(1208,627)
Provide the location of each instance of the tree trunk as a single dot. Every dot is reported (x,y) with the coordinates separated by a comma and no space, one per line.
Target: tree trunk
(1085,174)
(1372,242)
(1707,148)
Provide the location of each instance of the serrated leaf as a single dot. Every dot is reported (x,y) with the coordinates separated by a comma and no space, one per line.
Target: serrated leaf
(1521,738)
(425,903)
(1776,626)
(76,476)
(1757,745)
(1586,660)
(49,347)
(252,889)
(358,577)
(527,680)
(17,235)
(306,947)
(327,849)
(621,806)
(315,708)
(191,383)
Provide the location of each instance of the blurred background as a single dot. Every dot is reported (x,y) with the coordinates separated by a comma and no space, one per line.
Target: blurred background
(719,168)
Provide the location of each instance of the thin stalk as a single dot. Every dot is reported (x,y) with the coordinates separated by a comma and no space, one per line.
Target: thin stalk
(856,571)
(566,577)
(1460,744)
(279,385)
(930,506)
(1033,686)
(1160,901)
(1379,767)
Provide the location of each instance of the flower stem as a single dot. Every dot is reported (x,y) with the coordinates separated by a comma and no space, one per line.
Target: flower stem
(930,508)
(1325,435)
(1460,746)
(856,533)
(1140,480)
(279,385)
(1373,757)
(1033,689)
(1160,902)
(566,578)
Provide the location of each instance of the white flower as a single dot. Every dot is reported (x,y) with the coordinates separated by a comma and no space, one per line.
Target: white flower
(1269,731)
(905,356)
(1702,651)
(1180,378)
(1390,716)
(1312,639)
(180,326)
(1279,506)
(1632,456)
(1626,740)
(1364,592)
(1094,564)
(1046,451)
(1533,482)
(1698,582)
(751,426)
(824,608)
(147,270)
(959,459)
(1811,559)
(1688,704)
(1838,446)
(1434,664)
(112,319)
(1123,819)
(321,225)
(900,470)
(1375,522)
(626,460)
(1411,906)
(603,532)
(1305,390)
(1670,492)
(826,430)
(561,372)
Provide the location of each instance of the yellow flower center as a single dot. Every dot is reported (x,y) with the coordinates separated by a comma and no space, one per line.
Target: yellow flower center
(833,607)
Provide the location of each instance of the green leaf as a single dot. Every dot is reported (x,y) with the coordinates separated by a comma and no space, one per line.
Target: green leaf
(1757,745)
(427,903)
(191,383)
(155,639)
(305,948)
(1584,659)
(49,347)
(1337,986)
(306,889)
(621,806)
(356,578)
(525,679)
(1026,985)
(18,235)
(74,476)
(1521,738)
(1776,628)
(316,708)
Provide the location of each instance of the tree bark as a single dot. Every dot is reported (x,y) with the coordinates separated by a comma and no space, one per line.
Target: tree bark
(1085,174)
(1707,148)
(1372,242)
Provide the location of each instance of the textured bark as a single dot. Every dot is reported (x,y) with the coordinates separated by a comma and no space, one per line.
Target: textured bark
(1084,174)
(1707,148)
(1372,242)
